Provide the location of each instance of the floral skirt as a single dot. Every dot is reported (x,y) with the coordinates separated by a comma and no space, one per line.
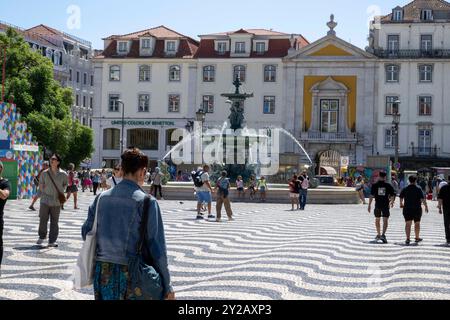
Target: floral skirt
(112,282)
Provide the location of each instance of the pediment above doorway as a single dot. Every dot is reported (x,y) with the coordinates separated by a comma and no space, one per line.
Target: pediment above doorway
(329,85)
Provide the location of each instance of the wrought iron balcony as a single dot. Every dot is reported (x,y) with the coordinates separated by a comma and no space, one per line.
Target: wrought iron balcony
(425,152)
(413,54)
(327,137)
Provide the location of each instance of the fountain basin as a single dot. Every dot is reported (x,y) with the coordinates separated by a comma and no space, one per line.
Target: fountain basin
(277,193)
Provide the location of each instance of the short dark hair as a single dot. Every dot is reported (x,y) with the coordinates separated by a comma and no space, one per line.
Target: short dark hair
(133,160)
(224,173)
(412,179)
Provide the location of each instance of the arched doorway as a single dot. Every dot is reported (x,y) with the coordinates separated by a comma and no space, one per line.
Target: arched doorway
(329,163)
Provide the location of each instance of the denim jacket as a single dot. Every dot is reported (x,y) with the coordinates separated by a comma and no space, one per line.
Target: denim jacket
(118,221)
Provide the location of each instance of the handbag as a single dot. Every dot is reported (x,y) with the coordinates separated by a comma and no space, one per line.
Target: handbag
(83,274)
(145,281)
(61,197)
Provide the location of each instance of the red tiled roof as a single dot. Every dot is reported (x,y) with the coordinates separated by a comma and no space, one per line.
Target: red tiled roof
(278,48)
(31,36)
(157,32)
(187,49)
(45,30)
(411,11)
(257,32)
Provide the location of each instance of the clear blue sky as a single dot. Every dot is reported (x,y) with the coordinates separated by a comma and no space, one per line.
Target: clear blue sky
(101,18)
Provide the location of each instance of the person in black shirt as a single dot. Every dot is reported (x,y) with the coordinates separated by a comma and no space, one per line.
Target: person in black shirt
(384,195)
(444,208)
(5,188)
(411,200)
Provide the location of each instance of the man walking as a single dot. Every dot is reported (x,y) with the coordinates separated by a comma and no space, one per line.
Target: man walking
(5,188)
(204,191)
(444,208)
(52,183)
(384,196)
(304,186)
(411,200)
(223,188)
(157,182)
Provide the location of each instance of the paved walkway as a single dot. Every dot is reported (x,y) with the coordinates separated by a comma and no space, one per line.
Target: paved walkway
(269,252)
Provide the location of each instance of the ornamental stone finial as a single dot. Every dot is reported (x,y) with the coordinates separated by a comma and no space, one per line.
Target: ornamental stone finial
(332,24)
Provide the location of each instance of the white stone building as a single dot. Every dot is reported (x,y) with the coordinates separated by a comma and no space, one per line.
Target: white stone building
(413,47)
(154,73)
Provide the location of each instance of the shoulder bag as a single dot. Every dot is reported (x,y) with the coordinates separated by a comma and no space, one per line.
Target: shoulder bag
(83,275)
(145,281)
(61,197)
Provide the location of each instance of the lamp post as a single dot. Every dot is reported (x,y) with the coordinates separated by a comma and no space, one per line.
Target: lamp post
(201,115)
(123,125)
(395,126)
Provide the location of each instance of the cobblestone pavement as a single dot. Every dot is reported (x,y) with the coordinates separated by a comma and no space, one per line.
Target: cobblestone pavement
(268,252)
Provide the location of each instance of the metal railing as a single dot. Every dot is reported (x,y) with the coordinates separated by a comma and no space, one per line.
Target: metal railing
(431,152)
(413,54)
(328,136)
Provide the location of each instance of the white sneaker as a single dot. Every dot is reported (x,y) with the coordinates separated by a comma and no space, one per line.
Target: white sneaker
(40,241)
(53,245)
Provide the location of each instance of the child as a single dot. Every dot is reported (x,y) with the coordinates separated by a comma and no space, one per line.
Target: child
(262,187)
(240,187)
(252,187)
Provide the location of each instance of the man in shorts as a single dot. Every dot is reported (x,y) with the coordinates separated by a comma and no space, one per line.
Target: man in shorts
(204,194)
(411,200)
(384,195)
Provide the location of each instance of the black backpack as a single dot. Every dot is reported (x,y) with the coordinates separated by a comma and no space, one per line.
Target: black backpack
(197,178)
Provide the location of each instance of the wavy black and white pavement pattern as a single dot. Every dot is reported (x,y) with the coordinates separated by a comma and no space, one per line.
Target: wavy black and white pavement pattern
(268,252)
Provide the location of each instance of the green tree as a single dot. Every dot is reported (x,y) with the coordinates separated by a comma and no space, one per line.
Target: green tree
(44,104)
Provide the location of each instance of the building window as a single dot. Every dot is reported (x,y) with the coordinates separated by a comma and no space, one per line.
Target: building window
(221,47)
(425,136)
(174,73)
(84,101)
(146,43)
(113,104)
(393,44)
(269,105)
(426,73)
(77,100)
(209,74)
(389,139)
(78,76)
(114,73)
(270,73)
(144,103)
(425,106)
(144,139)
(329,111)
(426,42)
(390,105)
(84,121)
(398,15)
(111,139)
(392,73)
(144,73)
(174,103)
(426,15)
(90,123)
(92,80)
(70,74)
(240,47)
(239,72)
(123,47)
(208,104)
(171,46)
(260,47)
(85,78)
(91,103)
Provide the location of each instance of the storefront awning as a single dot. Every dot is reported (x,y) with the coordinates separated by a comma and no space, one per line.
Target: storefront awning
(329,170)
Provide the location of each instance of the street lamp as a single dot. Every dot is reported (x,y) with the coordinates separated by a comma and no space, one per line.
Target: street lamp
(395,126)
(201,115)
(123,125)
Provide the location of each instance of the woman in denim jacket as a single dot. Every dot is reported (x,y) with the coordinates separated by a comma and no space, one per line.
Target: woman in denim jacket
(119,218)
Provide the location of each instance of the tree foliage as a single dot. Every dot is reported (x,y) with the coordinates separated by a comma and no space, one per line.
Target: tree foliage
(44,104)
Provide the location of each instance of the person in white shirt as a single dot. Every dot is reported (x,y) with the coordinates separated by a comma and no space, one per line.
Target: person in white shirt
(115,179)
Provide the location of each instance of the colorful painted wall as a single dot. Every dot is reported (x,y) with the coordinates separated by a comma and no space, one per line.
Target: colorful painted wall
(17,147)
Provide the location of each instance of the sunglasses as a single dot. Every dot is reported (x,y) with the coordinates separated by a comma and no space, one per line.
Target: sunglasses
(54,159)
